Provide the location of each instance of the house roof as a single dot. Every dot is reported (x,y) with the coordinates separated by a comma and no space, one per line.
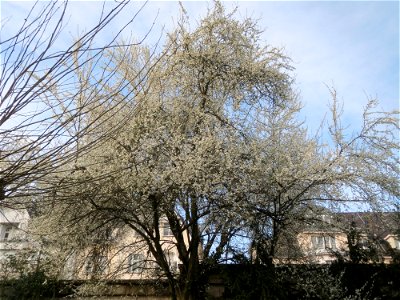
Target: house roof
(377,224)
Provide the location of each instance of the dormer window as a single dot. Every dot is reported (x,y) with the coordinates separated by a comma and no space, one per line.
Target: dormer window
(326,219)
(363,242)
(320,242)
(397,244)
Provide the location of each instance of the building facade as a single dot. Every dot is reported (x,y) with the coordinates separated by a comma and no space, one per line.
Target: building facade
(13,231)
(118,254)
(362,237)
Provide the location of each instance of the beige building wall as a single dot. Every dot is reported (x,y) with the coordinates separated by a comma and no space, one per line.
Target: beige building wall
(320,246)
(393,240)
(125,257)
(13,226)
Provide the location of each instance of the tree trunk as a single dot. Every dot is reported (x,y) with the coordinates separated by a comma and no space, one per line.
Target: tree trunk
(191,287)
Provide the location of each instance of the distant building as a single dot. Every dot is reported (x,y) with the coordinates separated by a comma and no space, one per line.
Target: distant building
(13,235)
(361,237)
(121,254)
(116,254)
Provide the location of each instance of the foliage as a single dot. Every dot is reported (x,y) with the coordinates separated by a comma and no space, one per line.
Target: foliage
(46,95)
(337,281)
(360,250)
(204,136)
(284,282)
(29,277)
(177,159)
(300,176)
(33,285)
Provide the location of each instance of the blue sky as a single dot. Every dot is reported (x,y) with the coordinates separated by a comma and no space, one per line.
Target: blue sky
(351,45)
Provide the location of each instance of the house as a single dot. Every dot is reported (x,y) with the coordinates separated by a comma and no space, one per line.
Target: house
(13,226)
(14,239)
(121,254)
(117,253)
(360,237)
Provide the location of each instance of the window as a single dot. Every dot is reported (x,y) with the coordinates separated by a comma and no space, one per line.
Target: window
(363,242)
(330,242)
(136,263)
(172,262)
(6,231)
(397,244)
(156,268)
(166,229)
(326,219)
(320,242)
(317,242)
(95,264)
(329,261)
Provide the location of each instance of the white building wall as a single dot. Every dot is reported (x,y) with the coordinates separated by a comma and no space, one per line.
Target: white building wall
(13,226)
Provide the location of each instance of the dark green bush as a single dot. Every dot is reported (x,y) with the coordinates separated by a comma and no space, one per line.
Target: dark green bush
(326,282)
(32,285)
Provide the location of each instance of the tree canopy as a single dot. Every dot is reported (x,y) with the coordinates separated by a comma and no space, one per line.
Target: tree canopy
(205,137)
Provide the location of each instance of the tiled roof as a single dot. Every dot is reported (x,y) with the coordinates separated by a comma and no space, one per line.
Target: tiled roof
(378,224)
